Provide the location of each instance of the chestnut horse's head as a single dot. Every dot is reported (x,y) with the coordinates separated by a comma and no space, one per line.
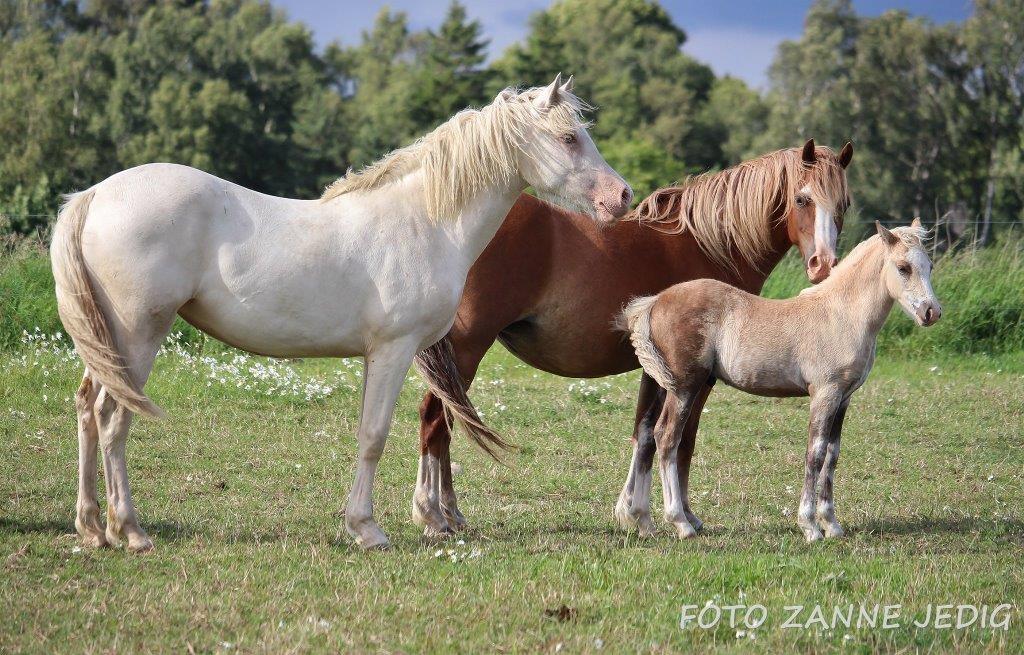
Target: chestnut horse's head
(814,207)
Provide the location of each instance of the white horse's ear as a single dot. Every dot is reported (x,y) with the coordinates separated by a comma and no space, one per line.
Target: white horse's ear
(549,96)
(567,87)
(916,222)
(887,236)
(505,94)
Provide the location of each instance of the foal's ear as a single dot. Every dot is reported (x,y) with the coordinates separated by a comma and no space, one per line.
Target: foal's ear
(808,153)
(916,222)
(846,155)
(888,237)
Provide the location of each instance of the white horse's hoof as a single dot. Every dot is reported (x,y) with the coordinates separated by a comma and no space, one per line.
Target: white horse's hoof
(812,534)
(368,535)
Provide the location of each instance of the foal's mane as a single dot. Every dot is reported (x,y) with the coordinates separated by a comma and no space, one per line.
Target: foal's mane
(733,209)
(472,150)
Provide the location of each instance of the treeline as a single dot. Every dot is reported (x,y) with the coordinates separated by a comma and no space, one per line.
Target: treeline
(235,88)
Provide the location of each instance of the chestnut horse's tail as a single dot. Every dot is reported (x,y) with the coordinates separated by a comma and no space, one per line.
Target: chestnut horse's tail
(82,316)
(437,366)
(636,319)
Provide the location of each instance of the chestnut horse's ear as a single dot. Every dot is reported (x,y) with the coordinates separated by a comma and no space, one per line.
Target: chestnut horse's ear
(916,222)
(808,153)
(887,237)
(846,154)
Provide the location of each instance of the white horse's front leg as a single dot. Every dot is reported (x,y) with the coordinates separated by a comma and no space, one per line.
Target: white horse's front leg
(385,370)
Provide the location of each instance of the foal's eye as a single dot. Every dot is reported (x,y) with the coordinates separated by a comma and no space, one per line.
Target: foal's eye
(569,138)
(904,269)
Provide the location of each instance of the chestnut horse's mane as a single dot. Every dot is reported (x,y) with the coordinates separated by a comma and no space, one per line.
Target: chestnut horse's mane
(472,150)
(731,211)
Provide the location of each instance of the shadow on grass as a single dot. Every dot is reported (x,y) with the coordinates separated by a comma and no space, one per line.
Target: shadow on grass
(941,524)
(163,530)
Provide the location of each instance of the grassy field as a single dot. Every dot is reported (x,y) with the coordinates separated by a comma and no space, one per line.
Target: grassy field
(243,490)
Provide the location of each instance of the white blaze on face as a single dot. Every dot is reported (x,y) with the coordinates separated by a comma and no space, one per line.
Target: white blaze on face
(825,231)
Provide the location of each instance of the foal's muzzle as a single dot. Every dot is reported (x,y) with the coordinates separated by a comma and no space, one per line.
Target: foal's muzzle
(928,313)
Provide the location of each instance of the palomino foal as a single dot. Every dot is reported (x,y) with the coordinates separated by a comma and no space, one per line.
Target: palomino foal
(820,344)
(374,268)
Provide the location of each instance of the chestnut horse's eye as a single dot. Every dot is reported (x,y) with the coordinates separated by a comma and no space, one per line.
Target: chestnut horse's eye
(801,201)
(569,138)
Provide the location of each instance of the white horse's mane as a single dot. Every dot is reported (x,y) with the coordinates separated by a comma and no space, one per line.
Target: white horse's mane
(471,151)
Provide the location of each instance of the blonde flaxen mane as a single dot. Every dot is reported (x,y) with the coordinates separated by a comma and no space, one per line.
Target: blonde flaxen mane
(472,150)
(731,210)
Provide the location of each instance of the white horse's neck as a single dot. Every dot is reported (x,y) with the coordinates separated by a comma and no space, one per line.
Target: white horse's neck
(471,230)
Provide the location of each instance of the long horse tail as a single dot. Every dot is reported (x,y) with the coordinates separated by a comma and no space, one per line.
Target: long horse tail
(437,366)
(82,316)
(636,319)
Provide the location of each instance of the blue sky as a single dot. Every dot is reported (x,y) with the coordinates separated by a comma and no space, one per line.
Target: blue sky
(737,37)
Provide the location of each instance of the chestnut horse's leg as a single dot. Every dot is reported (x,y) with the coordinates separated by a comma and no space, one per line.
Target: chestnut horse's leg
(685,452)
(434,503)
(633,509)
(826,511)
(825,404)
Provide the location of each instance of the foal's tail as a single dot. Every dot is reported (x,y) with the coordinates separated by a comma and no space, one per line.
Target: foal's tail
(82,316)
(437,366)
(636,319)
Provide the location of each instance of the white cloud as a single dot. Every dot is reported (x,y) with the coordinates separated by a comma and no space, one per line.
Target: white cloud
(740,52)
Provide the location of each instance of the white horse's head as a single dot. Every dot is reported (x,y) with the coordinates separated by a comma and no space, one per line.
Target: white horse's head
(559,159)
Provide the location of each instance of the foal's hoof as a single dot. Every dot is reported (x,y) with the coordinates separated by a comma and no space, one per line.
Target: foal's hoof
(812,534)
(91,537)
(697,524)
(834,530)
(685,531)
(455,518)
(438,533)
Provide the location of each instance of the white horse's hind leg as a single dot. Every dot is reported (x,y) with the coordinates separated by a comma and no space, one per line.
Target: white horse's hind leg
(87,511)
(386,368)
(122,520)
(140,348)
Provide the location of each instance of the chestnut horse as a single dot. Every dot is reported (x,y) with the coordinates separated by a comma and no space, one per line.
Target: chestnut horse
(551,283)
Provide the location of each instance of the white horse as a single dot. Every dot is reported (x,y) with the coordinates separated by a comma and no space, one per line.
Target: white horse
(374,268)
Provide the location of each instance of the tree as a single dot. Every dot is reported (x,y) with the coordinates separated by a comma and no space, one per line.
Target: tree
(643,86)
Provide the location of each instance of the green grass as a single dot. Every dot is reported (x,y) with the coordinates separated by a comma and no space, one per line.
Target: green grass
(243,494)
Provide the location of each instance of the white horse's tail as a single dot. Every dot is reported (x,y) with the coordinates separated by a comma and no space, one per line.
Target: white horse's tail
(636,319)
(82,317)
(437,366)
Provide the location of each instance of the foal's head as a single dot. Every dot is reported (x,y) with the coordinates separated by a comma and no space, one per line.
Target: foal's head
(907,272)
(558,158)
(814,208)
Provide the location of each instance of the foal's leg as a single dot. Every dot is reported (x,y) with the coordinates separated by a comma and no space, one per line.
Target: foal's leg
(686,449)
(633,509)
(386,367)
(824,405)
(826,513)
(670,429)
(87,511)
